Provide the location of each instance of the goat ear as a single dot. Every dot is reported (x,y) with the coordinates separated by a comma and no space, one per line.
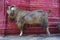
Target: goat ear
(49,11)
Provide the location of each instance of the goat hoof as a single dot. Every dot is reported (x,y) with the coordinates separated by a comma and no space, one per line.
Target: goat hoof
(21,34)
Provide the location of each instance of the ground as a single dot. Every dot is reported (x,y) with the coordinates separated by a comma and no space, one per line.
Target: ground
(29,38)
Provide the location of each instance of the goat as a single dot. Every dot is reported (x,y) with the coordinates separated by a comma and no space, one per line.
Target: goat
(30,17)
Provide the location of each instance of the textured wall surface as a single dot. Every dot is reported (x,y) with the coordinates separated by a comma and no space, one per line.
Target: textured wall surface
(54,16)
(2,18)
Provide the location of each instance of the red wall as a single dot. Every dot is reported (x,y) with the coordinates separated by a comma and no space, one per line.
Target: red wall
(2,18)
(54,16)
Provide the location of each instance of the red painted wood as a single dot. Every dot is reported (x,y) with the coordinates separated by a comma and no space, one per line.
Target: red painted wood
(46,5)
(2,18)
